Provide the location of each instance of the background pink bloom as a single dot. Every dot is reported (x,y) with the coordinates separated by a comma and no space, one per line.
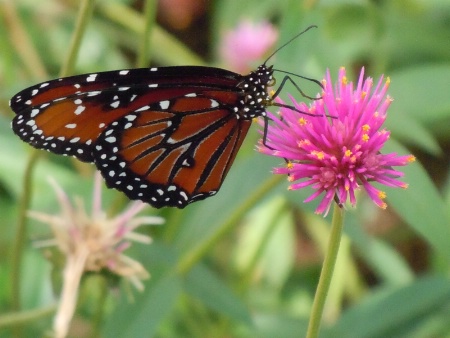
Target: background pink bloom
(339,150)
(247,43)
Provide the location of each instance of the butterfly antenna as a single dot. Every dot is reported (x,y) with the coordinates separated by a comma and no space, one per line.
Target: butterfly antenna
(288,42)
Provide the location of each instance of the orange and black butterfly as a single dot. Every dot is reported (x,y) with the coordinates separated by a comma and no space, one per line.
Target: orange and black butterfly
(167,136)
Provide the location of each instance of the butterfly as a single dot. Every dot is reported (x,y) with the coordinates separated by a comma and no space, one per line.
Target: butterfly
(166,136)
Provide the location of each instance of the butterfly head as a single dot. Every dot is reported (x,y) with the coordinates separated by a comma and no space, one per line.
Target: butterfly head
(254,96)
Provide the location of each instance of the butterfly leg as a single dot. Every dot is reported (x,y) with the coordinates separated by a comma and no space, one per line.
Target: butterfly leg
(288,78)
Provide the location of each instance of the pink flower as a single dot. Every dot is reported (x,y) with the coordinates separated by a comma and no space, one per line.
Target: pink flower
(339,150)
(92,242)
(247,43)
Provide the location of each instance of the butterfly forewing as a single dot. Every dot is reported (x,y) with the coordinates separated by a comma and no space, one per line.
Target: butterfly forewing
(167,136)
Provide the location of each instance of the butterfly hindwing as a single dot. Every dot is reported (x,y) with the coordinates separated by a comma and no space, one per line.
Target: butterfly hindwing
(170,156)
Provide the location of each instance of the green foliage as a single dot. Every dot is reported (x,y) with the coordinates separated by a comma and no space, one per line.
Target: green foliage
(259,246)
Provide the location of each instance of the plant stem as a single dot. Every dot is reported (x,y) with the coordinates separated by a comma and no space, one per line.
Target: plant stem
(26,317)
(80,27)
(73,271)
(191,258)
(19,240)
(149,16)
(175,52)
(21,40)
(327,272)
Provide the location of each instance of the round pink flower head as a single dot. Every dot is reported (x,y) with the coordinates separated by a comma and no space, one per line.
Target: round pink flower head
(247,43)
(338,150)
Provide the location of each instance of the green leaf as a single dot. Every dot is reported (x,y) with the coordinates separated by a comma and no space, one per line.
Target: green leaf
(410,130)
(421,205)
(387,263)
(211,290)
(143,318)
(422,93)
(397,312)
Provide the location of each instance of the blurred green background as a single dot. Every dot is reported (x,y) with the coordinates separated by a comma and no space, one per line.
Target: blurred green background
(392,277)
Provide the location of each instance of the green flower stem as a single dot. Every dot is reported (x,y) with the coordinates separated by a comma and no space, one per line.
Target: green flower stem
(194,256)
(84,15)
(170,51)
(21,40)
(254,260)
(25,317)
(149,16)
(19,240)
(327,272)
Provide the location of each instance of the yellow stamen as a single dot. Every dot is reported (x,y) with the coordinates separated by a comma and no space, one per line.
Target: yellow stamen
(302,143)
(319,154)
(289,165)
(302,121)
(365,138)
(366,127)
(411,158)
(344,80)
(363,94)
(382,195)
(388,81)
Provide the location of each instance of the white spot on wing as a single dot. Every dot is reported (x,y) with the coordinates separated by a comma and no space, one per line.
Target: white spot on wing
(79,110)
(142,108)
(91,77)
(115,104)
(164,104)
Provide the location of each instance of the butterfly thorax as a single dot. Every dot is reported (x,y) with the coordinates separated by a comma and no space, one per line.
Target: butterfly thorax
(254,98)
